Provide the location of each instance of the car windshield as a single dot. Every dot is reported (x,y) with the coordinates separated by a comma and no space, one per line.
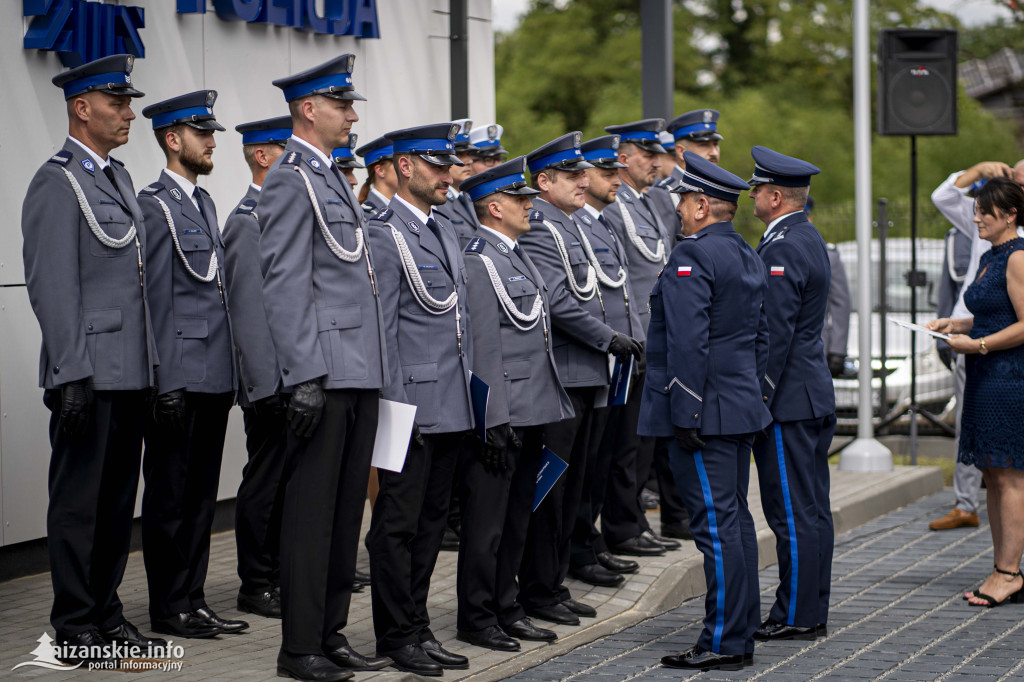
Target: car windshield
(897,266)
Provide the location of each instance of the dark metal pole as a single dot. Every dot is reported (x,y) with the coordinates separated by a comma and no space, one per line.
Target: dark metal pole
(657,53)
(883,301)
(913,298)
(459,36)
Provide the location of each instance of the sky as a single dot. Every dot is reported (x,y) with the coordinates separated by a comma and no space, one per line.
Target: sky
(505,13)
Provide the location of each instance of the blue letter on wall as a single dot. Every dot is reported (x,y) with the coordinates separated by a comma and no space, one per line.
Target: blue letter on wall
(80,31)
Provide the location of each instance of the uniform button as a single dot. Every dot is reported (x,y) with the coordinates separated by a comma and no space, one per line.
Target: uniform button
(506,375)
(179,332)
(284,371)
(333,323)
(56,370)
(695,416)
(412,378)
(765,398)
(90,327)
(251,389)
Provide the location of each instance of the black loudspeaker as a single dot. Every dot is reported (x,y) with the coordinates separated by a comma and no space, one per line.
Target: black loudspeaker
(917,82)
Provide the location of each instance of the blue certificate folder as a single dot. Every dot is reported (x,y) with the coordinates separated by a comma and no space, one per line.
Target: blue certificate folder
(622,377)
(551,469)
(478,394)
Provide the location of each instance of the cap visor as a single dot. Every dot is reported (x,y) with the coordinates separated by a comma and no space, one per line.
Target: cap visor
(208,124)
(442,159)
(525,190)
(349,163)
(754,181)
(649,146)
(347,95)
(122,92)
(703,137)
(607,165)
(488,152)
(578,166)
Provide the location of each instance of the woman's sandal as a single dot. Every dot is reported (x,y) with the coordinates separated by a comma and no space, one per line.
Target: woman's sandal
(1013,598)
(971,593)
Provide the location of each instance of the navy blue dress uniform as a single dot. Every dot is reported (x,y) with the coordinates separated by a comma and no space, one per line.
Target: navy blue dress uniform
(378,151)
(422,284)
(707,347)
(190,315)
(513,354)
(459,209)
(698,125)
(580,341)
(84,254)
(613,470)
(326,323)
(792,462)
(261,492)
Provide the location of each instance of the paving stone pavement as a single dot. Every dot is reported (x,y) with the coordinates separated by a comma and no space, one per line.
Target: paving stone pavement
(897,614)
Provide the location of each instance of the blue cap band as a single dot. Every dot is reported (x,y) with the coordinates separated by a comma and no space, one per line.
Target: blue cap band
(80,85)
(491,186)
(487,143)
(601,153)
(422,146)
(638,135)
(170,117)
(545,161)
(335,80)
(272,135)
(342,153)
(693,128)
(378,154)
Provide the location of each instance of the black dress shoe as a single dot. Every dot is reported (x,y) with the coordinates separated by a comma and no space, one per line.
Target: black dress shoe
(450,541)
(821,630)
(680,531)
(90,641)
(310,667)
(127,634)
(617,565)
(188,625)
(748,659)
(579,608)
(596,574)
(699,658)
(491,637)
(524,629)
(228,627)
(650,499)
(266,604)
(771,630)
(412,659)
(349,658)
(361,577)
(638,546)
(667,543)
(446,658)
(555,613)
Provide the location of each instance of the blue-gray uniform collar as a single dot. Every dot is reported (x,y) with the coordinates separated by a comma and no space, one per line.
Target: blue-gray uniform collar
(102,163)
(591,210)
(510,243)
(555,211)
(383,199)
(420,215)
(324,159)
(187,188)
(636,194)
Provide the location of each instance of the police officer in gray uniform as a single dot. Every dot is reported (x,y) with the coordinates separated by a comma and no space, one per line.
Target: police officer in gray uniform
(345,161)
(197,378)
(422,284)
(326,322)
(581,343)
(513,355)
(381,180)
(261,493)
(84,254)
(459,209)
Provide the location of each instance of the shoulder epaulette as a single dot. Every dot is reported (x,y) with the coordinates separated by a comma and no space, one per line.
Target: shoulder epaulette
(119,162)
(382,214)
(476,244)
(664,183)
(627,197)
(536,216)
(246,206)
(153,188)
(292,158)
(367,206)
(61,158)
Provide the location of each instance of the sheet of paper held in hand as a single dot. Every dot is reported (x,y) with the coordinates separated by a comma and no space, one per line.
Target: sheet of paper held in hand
(918,328)
(394,429)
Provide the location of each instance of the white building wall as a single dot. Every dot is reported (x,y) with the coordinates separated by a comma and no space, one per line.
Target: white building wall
(404,76)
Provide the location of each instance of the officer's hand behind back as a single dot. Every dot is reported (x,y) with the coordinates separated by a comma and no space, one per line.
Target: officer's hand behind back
(836,364)
(169,410)
(269,406)
(75,407)
(689,439)
(622,346)
(305,407)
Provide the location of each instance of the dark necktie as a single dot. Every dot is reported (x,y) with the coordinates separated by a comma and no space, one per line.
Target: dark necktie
(436,230)
(516,250)
(197,195)
(109,172)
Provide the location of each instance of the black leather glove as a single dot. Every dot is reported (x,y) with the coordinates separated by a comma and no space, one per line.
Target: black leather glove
(169,410)
(75,406)
(622,346)
(417,437)
(836,364)
(689,439)
(271,406)
(494,453)
(306,407)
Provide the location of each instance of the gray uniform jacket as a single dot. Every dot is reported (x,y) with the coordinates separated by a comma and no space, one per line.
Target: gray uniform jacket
(664,203)
(373,205)
(193,332)
(620,309)
(581,337)
(429,362)
(460,213)
(836,331)
(518,364)
(259,375)
(89,299)
(643,267)
(324,314)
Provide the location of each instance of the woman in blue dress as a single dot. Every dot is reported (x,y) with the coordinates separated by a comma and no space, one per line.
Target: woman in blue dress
(992,431)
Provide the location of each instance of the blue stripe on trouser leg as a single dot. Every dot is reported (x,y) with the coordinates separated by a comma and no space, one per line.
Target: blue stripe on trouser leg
(794,556)
(716,543)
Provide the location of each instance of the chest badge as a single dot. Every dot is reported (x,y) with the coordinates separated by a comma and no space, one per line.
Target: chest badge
(414,227)
(176,193)
(314,163)
(88,165)
(502,247)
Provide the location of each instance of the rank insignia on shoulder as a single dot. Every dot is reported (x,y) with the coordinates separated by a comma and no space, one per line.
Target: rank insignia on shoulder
(61,158)
(536,215)
(502,247)
(476,245)
(413,227)
(383,214)
(587,220)
(88,165)
(293,158)
(517,278)
(366,206)
(176,193)
(152,189)
(313,162)
(246,206)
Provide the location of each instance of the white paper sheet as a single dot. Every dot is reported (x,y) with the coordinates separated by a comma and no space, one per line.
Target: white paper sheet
(918,328)
(394,429)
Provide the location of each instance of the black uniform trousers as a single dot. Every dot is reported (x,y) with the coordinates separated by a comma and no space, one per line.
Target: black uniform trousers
(586,538)
(545,561)
(495,517)
(622,516)
(405,535)
(260,500)
(713,483)
(673,511)
(793,474)
(93,481)
(325,492)
(182,473)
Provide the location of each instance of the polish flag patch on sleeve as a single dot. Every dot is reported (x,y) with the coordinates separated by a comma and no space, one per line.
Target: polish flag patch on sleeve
(684,270)
(777,271)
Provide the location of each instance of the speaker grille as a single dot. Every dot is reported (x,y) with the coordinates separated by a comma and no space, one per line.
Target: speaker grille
(919,97)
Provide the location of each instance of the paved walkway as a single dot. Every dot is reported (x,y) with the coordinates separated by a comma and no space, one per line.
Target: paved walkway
(897,614)
(661,584)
